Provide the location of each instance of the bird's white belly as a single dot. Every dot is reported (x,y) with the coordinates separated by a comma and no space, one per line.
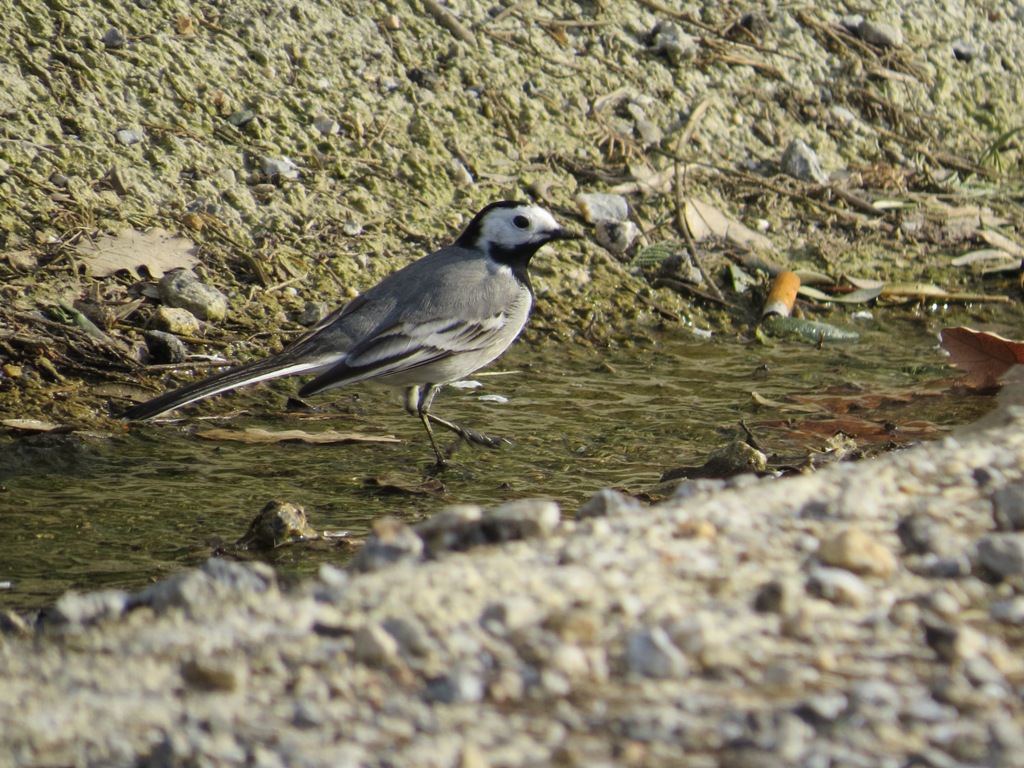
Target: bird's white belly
(461,364)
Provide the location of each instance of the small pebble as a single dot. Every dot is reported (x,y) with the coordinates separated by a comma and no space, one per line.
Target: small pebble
(1008,508)
(460,173)
(570,660)
(312,313)
(510,614)
(851,23)
(523,519)
(616,236)
(933,566)
(374,646)
(409,634)
(880,34)
(217,578)
(952,643)
(918,532)
(842,115)
(462,685)
(856,551)
(78,610)
(214,673)
(114,39)
(668,38)
(1008,611)
(944,604)
(965,50)
(598,206)
(392,541)
(12,624)
(164,348)
(181,288)
(781,596)
(650,134)
(1002,554)
(454,529)
(281,168)
(801,162)
(174,320)
(838,586)
(277,524)
(606,503)
(129,136)
(650,652)
(241,117)
(823,708)
(327,126)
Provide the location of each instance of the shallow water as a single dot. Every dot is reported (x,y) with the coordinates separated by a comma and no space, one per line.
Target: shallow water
(123,511)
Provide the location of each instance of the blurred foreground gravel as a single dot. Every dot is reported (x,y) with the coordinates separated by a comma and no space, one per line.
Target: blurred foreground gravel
(870,614)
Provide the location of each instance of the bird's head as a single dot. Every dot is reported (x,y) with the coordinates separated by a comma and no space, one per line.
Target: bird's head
(511,232)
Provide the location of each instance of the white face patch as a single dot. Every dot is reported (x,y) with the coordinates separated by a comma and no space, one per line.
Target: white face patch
(513,227)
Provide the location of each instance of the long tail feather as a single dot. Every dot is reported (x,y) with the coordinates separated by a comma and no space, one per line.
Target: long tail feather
(240,376)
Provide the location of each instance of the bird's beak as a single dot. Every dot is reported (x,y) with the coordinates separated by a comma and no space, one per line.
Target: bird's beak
(565,234)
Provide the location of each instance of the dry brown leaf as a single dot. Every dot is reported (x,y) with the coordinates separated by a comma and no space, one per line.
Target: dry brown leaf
(22,261)
(255,435)
(155,249)
(982,356)
(707,222)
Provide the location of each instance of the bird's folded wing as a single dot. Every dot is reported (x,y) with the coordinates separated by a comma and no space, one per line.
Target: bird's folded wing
(406,346)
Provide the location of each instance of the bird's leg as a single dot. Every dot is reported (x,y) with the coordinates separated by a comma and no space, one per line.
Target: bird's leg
(426,398)
(469,435)
(417,403)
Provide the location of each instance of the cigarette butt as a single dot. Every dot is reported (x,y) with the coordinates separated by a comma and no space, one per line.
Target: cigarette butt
(782,295)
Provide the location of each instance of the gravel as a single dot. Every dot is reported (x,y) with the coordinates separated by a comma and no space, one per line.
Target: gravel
(702,629)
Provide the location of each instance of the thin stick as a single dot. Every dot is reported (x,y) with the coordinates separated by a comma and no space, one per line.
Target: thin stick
(690,244)
(444,17)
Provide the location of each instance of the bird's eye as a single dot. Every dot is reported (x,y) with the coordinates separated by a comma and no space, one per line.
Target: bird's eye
(521,222)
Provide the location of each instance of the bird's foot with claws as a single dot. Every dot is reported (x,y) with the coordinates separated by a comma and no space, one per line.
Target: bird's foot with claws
(479,438)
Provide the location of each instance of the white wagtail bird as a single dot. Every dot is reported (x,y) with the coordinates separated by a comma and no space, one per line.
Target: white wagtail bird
(433,322)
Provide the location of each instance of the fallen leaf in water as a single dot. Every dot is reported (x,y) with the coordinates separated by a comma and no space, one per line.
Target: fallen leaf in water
(34,425)
(255,435)
(155,249)
(861,429)
(783,405)
(412,486)
(837,403)
(982,356)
